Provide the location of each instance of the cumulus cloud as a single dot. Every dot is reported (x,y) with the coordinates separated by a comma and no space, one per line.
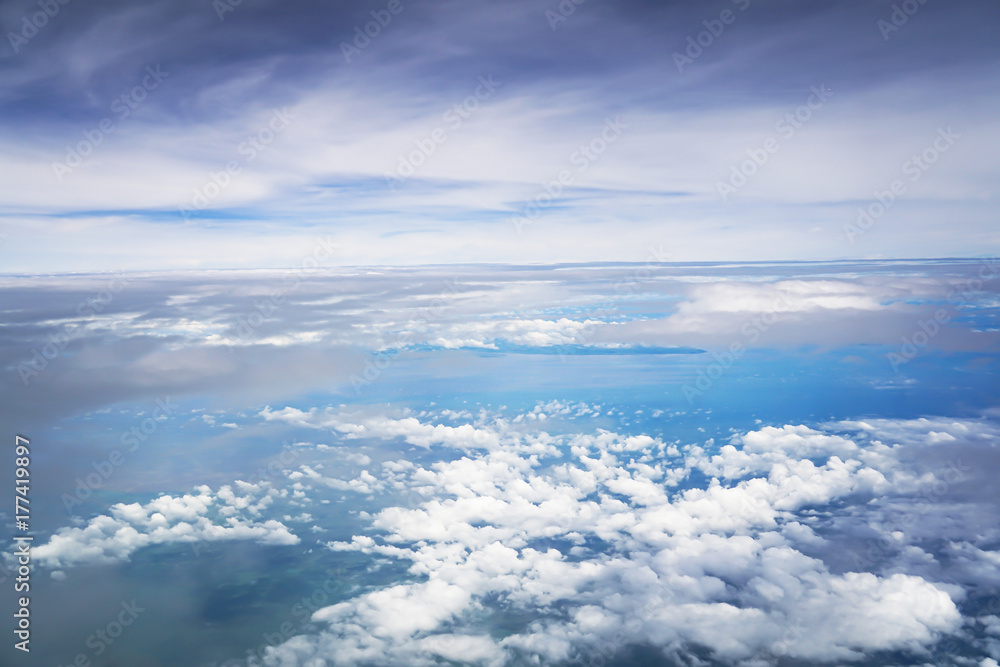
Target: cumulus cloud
(168,519)
(365,482)
(610,541)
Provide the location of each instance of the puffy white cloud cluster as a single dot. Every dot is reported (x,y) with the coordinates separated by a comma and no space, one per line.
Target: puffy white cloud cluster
(597,542)
(365,482)
(228,514)
(556,408)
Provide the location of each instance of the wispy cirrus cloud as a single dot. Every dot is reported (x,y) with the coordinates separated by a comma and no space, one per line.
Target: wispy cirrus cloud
(353,121)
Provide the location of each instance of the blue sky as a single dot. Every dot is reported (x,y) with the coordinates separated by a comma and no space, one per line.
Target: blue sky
(232,136)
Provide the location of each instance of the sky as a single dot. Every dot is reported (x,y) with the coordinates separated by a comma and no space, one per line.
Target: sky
(197,135)
(563,332)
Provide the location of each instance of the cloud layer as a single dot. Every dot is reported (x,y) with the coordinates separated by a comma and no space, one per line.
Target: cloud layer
(789,541)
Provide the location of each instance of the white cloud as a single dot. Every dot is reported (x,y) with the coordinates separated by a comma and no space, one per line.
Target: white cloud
(410,429)
(167,519)
(737,566)
(531,332)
